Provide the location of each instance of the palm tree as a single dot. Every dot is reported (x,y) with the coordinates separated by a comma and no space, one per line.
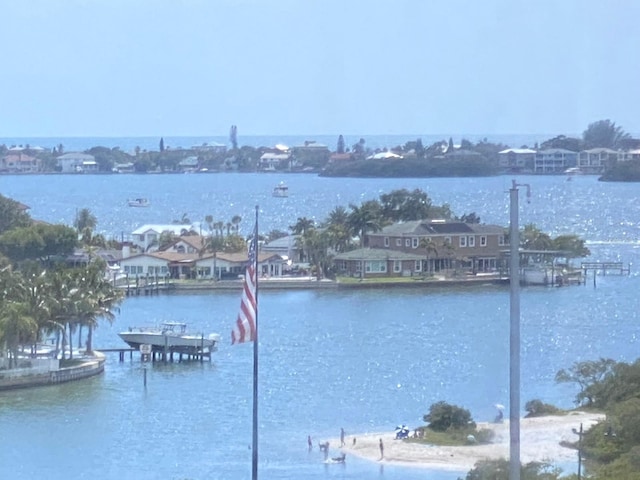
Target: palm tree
(430,247)
(302,225)
(17,327)
(235,220)
(85,219)
(97,299)
(363,219)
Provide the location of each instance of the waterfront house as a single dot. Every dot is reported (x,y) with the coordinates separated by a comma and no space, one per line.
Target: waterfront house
(287,247)
(270,161)
(554,160)
(19,163)
(147,236)
(189,164)
(378,263)
(517,159)
(311,155)
(76,162)
(445,245)
(169,264)
(597,160)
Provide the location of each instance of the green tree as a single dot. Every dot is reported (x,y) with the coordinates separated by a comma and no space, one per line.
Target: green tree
(85,219)
(604,134)
(302,225)
(12,214)
(403,205)
(572,245)
(39,241)
(430,249)
(443,416)
(561,141)
(365,218)
(532,238)
(587,375)
(499,470)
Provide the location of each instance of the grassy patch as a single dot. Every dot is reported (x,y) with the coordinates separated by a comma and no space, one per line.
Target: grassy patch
(407,280)
(453,437)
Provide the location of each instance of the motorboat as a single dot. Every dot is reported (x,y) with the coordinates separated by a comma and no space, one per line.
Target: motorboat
(138,202)
(170,335)
(281,190)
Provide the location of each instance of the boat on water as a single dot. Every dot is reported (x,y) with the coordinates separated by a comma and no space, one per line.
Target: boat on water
(281,190)
(138,202)
(170,335)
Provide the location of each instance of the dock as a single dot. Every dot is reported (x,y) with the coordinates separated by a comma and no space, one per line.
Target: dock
(164,354)
(603,268)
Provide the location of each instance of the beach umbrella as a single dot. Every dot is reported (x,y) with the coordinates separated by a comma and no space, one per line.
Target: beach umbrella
(402,429)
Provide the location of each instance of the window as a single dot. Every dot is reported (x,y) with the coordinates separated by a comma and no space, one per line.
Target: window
(358,266)
(483,241)
(407,242)
(463,241)
(447,240)
(386,241)
(472,241)
(397,266)
(418,266)
(415,242)
(501,240)
(398,242)
(376,266)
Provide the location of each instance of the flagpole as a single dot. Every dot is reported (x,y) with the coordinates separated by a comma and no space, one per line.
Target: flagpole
(254,458)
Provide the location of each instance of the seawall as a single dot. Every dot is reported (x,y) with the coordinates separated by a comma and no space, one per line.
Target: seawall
(36,377)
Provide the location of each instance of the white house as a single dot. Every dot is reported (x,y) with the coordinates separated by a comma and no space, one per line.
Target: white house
(193,266)
(517,159)
(75,162)
(147,236)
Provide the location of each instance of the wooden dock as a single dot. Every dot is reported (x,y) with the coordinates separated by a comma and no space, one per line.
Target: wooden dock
(162,354)
(603,268)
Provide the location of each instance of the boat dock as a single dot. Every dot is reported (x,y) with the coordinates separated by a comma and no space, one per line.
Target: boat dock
(162,354)
(604,268)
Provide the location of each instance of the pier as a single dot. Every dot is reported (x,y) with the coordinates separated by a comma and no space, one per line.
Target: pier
(605,268)
(164,354)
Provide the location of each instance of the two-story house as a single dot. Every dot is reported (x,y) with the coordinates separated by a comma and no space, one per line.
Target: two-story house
(76,162)
(597,160)
(444,245)
(555,160)
(517,159)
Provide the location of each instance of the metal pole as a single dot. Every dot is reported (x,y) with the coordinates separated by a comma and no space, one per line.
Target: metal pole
(580,453)
(254,459)
(514,338)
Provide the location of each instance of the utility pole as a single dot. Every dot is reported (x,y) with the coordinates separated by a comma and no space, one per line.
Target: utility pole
(514,335)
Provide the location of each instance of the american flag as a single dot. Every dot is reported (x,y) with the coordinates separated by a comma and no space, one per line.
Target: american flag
(245,329)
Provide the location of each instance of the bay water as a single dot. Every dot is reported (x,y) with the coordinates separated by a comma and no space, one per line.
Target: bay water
(362,360)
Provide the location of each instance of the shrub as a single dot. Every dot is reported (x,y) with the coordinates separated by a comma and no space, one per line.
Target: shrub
(536,408)
(443,416)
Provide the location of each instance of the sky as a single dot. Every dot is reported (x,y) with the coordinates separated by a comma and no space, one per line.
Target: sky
(196,67)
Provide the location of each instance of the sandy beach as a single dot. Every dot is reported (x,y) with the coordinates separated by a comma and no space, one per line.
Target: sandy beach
(540,439)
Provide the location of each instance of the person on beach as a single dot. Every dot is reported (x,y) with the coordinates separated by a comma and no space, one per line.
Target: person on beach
(381,450)
(342,437)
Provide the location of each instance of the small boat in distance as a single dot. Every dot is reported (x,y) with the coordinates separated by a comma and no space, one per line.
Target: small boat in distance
(172,336)
(138,202)
(281,190)
(573,171)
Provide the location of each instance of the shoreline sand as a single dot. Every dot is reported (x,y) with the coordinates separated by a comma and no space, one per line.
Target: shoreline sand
(540,439)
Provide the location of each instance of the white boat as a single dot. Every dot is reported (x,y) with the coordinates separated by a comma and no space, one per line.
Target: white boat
(138,202)
(573,171)
(281,190)
(170,335)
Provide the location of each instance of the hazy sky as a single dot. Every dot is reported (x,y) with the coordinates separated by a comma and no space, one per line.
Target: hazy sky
(195,67)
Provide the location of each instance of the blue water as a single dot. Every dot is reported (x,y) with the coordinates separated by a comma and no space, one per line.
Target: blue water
(361,360)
